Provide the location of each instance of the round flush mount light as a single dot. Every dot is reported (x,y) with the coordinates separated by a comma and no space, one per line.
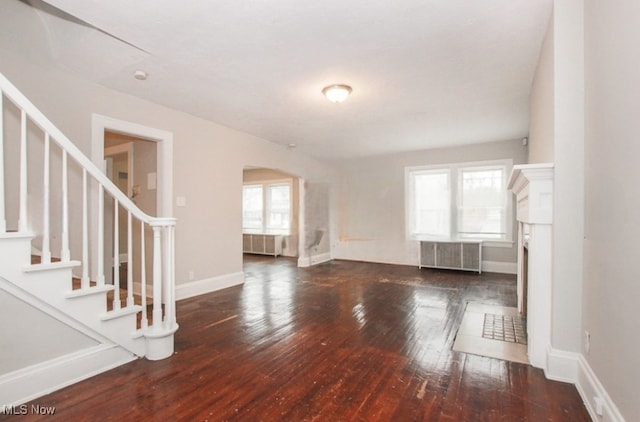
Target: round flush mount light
(337,93)
(140,75)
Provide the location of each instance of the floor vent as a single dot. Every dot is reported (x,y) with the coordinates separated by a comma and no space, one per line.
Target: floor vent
(504,328)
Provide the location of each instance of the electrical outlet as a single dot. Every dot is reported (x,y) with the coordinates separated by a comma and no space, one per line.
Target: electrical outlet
(587,342)
(192,275)
(599,405)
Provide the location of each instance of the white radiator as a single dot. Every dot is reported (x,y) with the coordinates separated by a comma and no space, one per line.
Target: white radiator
(264,244)
(452,255)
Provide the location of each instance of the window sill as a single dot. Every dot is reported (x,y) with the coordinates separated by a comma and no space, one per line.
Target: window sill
(271,232)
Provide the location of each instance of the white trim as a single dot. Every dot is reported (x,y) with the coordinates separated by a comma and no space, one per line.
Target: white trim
(500,267)
(37,380)
(561,365)
(455,191)
(573,368)
(137,287)
(593,393)
(308,261)
(164,140)
(208,285)
(266,205)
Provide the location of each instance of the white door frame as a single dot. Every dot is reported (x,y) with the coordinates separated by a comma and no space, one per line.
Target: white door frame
(164,149)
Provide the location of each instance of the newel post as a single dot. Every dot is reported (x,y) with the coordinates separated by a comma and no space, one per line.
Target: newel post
(157,278)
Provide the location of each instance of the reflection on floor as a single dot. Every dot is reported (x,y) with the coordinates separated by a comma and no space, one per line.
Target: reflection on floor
(492,331)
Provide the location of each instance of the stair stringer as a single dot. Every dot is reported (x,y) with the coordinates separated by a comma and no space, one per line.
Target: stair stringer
(49,290)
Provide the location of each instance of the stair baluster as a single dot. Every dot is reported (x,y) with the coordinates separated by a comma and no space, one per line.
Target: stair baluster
(22,220)
(46,202)
(153,337)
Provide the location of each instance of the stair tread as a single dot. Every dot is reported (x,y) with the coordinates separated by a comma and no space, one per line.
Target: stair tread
(80,292)
(128,310)
(51,266)
(16,235)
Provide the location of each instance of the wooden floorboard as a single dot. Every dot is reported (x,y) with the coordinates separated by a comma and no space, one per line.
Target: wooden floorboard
(342,341)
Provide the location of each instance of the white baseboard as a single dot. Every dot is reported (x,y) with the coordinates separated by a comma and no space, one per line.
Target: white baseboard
(308,261)
(35,381)
(208,285)
(561,365)
(595,397)
(137,287)
(500,267)
(573,368)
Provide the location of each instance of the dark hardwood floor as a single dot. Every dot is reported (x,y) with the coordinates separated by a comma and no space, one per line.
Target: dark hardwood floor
(342,341)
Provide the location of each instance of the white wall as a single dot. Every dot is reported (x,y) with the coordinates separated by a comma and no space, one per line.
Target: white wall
(29,336)
(371,213)
(208,160)
(568,147)
(541,111)
(612,222)
(557,135)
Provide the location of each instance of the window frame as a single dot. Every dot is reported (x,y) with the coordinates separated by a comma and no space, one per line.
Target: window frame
(266,206)
(455,184)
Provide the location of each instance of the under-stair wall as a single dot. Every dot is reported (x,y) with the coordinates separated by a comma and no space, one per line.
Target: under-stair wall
(55,201)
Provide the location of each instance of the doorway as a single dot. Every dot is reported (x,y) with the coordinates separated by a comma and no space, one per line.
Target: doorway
(147,180)
(131,165)
(271,212)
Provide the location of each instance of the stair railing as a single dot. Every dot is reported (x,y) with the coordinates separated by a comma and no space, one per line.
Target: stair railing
(89,243)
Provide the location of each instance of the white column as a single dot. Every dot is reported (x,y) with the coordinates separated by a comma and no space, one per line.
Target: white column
(169,277)
(143,278)
(539,295)
(157,278)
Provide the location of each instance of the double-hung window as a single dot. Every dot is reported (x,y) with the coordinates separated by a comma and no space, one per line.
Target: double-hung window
(266,207)
(482,203)
(430,202)
(459,201)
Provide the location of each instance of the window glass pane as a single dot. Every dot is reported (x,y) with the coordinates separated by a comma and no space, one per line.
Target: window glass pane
(279,215)
(431,203)
(252,207)
(482,204)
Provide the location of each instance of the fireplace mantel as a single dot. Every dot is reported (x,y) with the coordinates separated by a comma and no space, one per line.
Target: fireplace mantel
(533,186)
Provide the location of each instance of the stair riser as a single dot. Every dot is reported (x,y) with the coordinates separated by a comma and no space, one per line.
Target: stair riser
(15,254)
(47,284)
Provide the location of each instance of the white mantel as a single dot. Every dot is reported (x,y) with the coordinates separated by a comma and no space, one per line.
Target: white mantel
(533,186)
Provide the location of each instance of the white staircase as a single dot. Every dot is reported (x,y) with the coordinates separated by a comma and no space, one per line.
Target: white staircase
(55,200)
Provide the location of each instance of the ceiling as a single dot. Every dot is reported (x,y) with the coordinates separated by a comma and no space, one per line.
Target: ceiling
(425,73)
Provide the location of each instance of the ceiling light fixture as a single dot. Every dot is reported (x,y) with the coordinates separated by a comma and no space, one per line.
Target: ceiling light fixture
(337,93)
